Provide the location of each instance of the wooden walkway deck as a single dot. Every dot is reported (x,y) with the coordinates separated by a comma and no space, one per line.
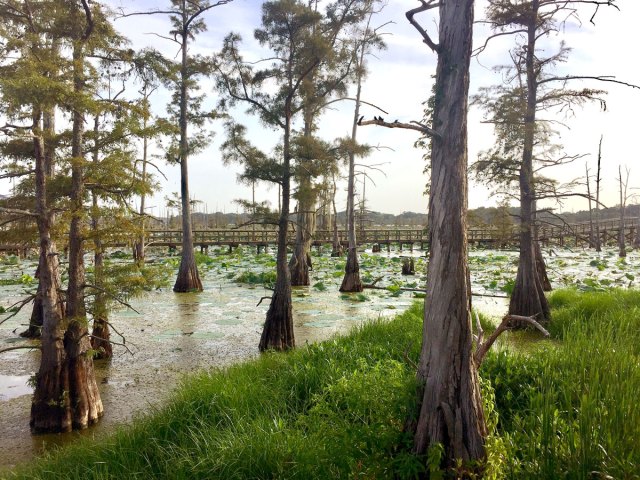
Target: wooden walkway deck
(565,235)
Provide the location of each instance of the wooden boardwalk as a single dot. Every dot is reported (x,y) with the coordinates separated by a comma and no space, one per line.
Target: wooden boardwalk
(549,235)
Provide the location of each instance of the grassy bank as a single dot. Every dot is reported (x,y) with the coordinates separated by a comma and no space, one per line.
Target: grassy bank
(571,410)
(336,409)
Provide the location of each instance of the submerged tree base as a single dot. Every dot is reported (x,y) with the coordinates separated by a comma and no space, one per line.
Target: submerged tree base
(188,279)
(351,282)
(277,333)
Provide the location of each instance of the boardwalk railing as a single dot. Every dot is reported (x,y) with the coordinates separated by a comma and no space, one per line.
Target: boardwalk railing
(568,234)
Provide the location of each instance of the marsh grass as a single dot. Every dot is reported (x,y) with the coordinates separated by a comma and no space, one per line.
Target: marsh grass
(571,410)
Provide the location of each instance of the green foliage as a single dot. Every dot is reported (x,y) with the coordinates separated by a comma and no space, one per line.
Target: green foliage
(268,278)
(571,409)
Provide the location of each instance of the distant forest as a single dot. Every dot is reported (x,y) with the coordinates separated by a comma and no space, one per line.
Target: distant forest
(477,218)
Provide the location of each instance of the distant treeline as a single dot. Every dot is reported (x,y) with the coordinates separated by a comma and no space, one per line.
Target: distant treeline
(477,217)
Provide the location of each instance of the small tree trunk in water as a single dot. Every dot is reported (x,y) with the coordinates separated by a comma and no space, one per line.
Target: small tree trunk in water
(300,262)
(188,279)
(592,236)
(449,397)
(598,240)
(528,297)
(277,333)
(622,249)
(337,246)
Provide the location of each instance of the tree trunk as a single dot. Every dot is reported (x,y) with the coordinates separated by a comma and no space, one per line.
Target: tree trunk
(337,246)
(48,149)
(351,281)
(592,233)
(598,240)
(300,263)
(622,249)
(188,279)
(138,247)
(100,334)
(541,266)
(66,395)
(528,297)
(47,412)
(449,398)
(277,333)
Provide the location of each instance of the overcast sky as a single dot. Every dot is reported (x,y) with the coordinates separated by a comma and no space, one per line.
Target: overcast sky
(399,81)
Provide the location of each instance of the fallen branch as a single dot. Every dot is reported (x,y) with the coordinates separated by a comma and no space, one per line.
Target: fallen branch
(111,341)
(17,310)
(263,298)
(506,324)
(21,347)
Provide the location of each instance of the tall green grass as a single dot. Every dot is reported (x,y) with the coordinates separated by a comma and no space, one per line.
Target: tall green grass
(571,410)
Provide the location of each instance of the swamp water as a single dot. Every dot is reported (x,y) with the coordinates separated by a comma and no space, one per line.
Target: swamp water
(174,334)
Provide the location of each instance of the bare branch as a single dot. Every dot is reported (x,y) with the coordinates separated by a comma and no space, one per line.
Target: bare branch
(599,78)
(417,126)
(15,211)
(506,324)
(426,5)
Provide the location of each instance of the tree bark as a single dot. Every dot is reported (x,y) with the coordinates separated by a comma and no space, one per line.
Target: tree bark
(188,279)
(449,398)
(277,333)
(528,299)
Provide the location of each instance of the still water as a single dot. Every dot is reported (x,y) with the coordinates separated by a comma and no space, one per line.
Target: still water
(174,334)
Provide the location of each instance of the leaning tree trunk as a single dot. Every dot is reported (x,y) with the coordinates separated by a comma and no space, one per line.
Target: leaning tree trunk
(277,333)
(449,399)
(188,279)
(528,297)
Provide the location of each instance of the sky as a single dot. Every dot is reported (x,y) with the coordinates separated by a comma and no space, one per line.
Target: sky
(399,80)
